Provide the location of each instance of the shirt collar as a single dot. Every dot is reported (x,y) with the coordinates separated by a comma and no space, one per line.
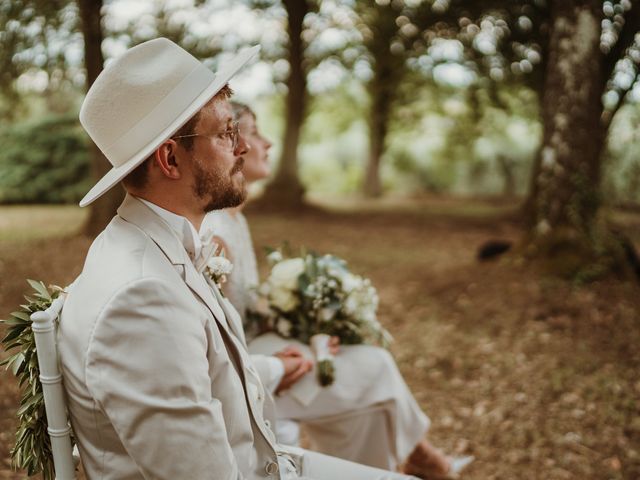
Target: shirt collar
(182,227)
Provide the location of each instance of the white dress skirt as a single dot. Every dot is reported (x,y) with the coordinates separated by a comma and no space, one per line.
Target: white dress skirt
(368,415)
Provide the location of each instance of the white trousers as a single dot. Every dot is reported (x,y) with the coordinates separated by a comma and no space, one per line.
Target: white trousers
(317,466)
(368,415)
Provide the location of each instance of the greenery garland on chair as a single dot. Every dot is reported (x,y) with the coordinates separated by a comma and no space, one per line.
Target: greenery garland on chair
(32,451)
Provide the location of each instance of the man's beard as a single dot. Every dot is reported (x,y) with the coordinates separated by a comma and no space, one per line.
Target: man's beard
(218,188)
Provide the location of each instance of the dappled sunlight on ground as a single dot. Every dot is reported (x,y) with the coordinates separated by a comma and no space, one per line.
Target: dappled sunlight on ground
(535,377)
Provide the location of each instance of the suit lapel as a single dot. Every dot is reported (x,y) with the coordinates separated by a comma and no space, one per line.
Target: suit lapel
(230,313)
(134,211)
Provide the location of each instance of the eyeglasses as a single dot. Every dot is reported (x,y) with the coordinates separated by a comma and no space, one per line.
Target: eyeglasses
(232,134)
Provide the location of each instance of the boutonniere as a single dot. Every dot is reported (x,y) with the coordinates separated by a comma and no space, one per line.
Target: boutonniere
(217,269)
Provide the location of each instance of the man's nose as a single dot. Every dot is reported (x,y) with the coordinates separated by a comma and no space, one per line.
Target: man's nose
(242,148)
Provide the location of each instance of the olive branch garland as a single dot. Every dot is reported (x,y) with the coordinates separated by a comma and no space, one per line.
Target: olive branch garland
(32,451)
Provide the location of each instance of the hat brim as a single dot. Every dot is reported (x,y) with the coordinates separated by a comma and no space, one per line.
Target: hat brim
(222,77)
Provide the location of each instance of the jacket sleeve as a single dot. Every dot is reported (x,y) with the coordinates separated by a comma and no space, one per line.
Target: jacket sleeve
(270,370)
(148,371)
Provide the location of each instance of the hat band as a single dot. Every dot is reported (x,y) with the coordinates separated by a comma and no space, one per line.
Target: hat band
(161,117)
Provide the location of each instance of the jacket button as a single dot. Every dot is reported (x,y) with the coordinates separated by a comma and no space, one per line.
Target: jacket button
(272,468)
(268,424)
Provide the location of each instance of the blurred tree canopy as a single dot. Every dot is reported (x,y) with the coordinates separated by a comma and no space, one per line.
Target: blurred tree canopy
(35,35)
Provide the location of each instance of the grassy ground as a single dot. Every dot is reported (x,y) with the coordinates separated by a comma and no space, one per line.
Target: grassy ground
(537,378)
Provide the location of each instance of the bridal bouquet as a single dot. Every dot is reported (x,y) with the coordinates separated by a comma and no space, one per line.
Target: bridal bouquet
(313,297)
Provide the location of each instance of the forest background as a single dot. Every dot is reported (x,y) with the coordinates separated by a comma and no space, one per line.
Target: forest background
(432,127)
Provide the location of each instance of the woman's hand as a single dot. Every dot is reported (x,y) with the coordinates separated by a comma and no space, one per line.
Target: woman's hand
(334,345)
(295,366)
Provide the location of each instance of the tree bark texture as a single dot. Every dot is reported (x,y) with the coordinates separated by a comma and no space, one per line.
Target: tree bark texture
(103,209)
(286,190)
(568,234)
(568,176)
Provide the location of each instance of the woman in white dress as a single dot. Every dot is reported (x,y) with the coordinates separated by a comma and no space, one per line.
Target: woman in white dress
(368,415)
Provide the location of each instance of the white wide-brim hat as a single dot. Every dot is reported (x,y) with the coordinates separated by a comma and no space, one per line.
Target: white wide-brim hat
(143,98)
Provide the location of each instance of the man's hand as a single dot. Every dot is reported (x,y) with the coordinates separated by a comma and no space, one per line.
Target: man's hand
(295,366)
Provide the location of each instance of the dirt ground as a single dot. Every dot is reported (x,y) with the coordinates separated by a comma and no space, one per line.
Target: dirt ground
(538,378)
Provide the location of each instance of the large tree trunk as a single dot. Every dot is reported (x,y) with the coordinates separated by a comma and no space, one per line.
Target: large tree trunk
(565,231)
(103,209)
(286,190)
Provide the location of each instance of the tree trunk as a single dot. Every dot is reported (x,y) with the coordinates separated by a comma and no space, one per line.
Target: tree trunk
(103,209)
(378,128)
(506,168)
(388,71)
(286,190)
(566,197)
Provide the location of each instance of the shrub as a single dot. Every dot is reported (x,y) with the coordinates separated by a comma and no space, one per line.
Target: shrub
(46,161)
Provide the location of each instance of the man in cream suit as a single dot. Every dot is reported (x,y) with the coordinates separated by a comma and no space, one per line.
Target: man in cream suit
(157,375)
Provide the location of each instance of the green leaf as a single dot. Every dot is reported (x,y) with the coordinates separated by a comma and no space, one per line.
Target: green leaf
(29,403)
(12,335)
(40,288)
(12,322)
(30,300)
(13,362)
(22,316)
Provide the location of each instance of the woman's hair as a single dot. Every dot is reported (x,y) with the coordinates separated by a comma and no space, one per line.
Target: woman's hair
(240,109)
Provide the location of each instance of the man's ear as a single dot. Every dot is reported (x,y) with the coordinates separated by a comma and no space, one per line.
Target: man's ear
(166,159)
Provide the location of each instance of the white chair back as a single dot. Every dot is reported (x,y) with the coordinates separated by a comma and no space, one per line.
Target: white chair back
(44,327)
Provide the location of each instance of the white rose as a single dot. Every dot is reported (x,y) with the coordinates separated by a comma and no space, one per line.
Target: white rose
(327,314)
(351,305)
(285,274)
(219,266)
(350,282)
(274,257)
(284,327)
(283,299)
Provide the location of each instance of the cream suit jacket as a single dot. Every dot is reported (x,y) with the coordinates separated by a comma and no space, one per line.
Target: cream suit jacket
(155,367)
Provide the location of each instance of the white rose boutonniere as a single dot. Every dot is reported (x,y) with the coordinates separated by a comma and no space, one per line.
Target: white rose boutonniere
(217,269)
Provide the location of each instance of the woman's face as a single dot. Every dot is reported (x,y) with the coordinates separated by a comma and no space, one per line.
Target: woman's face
(256,160)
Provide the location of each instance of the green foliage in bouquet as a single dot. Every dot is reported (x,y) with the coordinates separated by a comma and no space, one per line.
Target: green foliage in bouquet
(44,162)
(32,451)
(326,372)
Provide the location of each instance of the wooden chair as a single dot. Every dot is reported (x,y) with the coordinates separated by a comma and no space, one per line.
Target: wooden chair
(44,329)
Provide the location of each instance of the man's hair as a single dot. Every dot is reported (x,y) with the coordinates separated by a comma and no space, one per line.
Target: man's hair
(139,176)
